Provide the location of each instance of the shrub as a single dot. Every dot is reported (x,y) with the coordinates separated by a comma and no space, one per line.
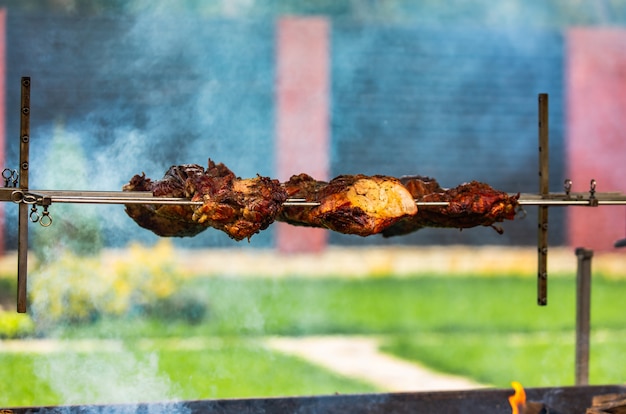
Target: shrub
(74,289)
(15,325)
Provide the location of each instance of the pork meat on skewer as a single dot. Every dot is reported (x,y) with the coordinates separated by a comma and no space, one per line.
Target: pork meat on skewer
(239,207)
(348,204)
(166,220)
(469,205)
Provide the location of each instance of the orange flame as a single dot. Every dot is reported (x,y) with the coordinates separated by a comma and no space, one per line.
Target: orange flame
(517,400)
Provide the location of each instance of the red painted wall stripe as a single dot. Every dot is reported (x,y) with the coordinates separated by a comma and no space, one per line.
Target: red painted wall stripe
(596,131)
(3,31)
(302,124)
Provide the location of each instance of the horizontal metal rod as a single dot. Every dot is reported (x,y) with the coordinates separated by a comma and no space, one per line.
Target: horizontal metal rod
(146,197)
(123,200)
(523,202)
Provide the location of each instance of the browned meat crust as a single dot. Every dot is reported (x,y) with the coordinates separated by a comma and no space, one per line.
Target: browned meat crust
(165,220)
(470,205)
(349,204)
(239,207)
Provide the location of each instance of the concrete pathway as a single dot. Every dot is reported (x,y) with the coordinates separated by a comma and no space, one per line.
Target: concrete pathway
(360,358)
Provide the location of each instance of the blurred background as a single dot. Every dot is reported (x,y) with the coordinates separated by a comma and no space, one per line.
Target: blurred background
(384,87)
(394,87)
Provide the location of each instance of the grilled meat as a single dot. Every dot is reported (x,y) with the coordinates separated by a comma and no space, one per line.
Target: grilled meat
(349,204)
(166,220)
(239,207)
(470,205)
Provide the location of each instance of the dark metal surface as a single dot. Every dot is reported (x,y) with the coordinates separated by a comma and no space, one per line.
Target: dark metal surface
(558,400)
(544,190)
(22,240)
(583,314)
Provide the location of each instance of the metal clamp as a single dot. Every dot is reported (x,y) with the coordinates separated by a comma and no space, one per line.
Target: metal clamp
(567,186)
(34,200)
(593,201)
(19,197)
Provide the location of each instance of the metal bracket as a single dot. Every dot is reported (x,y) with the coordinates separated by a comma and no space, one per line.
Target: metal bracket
(583,314)
(22,238)
(544,190)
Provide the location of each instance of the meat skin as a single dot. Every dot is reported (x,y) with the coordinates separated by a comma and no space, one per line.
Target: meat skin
(349,204)
(470,205)
(239,207)
(165,220)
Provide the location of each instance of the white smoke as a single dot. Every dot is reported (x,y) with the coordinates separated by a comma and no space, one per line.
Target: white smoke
(113,375)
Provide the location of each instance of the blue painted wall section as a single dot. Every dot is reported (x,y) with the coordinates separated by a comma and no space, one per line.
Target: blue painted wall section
(456,105)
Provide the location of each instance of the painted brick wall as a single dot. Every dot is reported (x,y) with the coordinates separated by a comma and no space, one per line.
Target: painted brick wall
(453,104)
(145,95)
(596,138)
(302,116)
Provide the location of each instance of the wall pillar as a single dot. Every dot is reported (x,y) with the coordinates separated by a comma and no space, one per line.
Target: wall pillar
(302,124)
(596,132)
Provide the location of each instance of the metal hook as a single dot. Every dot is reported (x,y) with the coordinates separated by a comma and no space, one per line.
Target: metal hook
(46,220)
(34,215)
(593,201)
(10,177)
(567,185)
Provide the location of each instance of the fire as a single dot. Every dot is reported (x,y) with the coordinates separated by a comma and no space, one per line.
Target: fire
(517,400)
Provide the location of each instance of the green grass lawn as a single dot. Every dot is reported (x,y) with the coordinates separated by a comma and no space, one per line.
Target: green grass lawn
(301,306)
(381,306)
(488,328)
(161,370)
(538,359)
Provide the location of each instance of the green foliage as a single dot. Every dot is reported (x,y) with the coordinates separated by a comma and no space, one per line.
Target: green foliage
(74,289)
(308,306)
(15,325)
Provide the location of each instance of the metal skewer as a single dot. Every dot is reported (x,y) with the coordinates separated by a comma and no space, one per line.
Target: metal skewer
(47,197)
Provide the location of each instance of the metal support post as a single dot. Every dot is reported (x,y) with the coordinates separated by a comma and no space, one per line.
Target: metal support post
(583,312)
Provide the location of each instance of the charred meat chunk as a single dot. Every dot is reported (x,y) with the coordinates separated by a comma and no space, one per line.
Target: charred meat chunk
(166,220)
(238,207)
(349,204)
(469,205)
